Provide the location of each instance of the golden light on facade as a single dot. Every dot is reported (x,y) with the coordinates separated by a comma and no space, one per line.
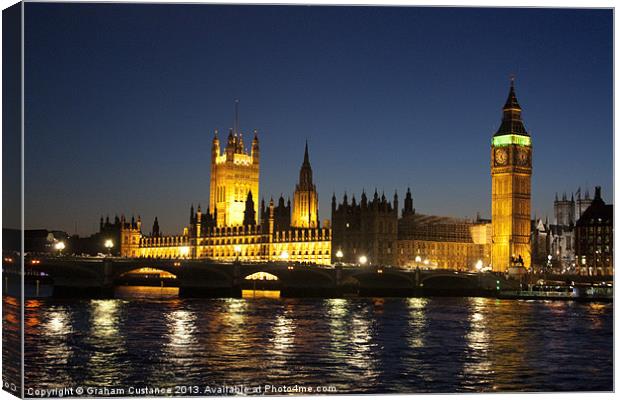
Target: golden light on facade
(511,175)
(184,251)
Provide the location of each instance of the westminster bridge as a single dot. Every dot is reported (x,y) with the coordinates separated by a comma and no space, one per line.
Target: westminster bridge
(97,277)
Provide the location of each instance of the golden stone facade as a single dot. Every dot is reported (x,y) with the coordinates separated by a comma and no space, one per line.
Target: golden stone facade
(130,237)
(441,254)
(234,174)
(429,241)
(511,174)
(306,198)
(230,229)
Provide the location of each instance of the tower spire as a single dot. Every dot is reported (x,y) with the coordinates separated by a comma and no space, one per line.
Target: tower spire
(306,158)
(511,119)
(236,125)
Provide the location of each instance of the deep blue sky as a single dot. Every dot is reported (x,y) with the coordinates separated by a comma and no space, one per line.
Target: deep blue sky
(122,100)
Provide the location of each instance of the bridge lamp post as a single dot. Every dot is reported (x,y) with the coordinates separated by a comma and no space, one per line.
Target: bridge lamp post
(108,244)
(59,246)
(339,256)
(479,265)
(426,262)
(284,255)
(418,260)
(363,260)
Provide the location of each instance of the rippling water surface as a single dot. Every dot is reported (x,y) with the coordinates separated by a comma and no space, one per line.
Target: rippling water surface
(356,345)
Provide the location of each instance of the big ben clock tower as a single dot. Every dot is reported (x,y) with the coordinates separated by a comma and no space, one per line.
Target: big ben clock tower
(511,176)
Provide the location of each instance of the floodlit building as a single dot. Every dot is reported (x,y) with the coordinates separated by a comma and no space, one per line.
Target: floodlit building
(511,175)
(233,227)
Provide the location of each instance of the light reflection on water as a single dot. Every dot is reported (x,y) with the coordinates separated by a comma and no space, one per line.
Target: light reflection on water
(358,345)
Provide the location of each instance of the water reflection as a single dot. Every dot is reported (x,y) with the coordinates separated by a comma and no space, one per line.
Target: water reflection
(105,342)
(282,337)
(57,327)
(11,343)
(358,345)
(360,355)
(417,321)
(104,317)
(477,370)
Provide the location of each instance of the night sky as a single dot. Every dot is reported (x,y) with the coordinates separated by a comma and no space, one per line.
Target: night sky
(121,102)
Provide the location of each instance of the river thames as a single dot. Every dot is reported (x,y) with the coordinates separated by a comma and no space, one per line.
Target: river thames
(360,345)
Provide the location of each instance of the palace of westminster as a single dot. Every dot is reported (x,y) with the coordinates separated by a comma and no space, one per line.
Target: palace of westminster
(372,230)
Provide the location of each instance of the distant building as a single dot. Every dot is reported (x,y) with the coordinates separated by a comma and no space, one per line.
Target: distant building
(42,240)
(594,235)
(582,204)
(557,251)
(443,242)
(541,243)
(367,229)
(373,229)
(553,244)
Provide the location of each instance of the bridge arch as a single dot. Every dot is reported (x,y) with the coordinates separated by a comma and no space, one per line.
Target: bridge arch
(149,271)
(260,276)
(68,273)
(290,274)
(449,281)
(118,271)
(380,277)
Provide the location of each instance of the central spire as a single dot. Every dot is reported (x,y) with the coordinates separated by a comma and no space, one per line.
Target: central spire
(306,158)
(305,174)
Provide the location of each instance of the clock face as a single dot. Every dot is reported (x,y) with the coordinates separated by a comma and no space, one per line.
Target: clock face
(501,156)
(523,157)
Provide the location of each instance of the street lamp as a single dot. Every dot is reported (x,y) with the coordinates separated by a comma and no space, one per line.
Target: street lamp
(108,245)
(418,260)
(284,255)
(59,246)
(479,265)
(339,256)
(363,260)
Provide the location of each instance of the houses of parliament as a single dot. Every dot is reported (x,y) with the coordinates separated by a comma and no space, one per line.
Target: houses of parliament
(235,226)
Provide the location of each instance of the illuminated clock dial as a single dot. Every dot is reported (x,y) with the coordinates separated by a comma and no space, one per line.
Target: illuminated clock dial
(523,157)
(501,156)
